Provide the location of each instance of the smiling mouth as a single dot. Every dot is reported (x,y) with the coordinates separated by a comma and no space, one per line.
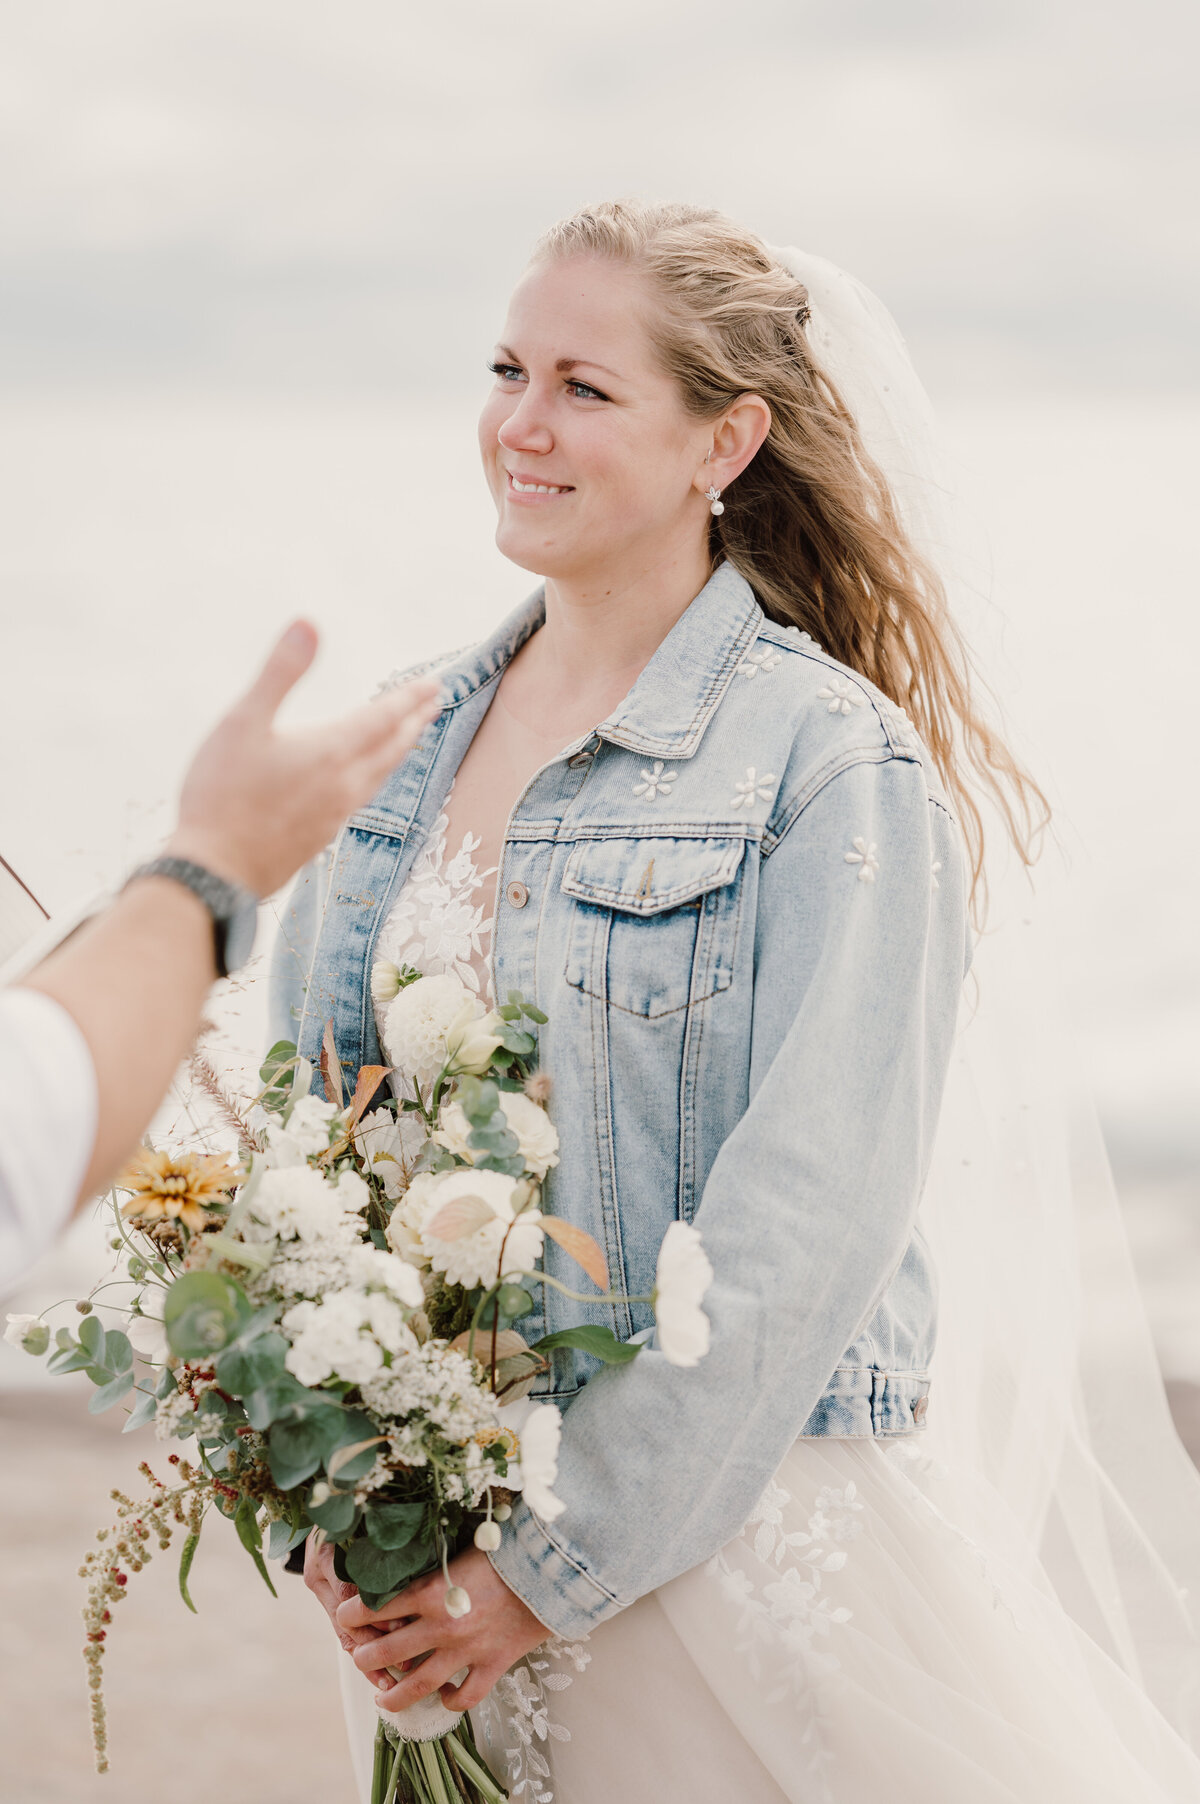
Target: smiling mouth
(536,488)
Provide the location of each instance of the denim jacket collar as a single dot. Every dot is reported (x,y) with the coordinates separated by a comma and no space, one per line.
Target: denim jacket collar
(667,709)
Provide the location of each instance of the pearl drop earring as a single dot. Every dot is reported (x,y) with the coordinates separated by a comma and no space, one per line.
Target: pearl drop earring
(713,496)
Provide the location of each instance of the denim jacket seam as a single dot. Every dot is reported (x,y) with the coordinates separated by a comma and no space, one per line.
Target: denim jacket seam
(816,783)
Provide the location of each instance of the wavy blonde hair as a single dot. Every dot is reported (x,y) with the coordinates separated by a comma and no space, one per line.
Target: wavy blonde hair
(811,522)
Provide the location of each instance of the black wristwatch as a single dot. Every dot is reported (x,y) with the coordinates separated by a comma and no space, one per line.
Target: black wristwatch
(234,910)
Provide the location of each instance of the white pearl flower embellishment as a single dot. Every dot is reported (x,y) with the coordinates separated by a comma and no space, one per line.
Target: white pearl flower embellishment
(655,782)
(753,788)
(755,661)
(864,857)
(841,696)
(794,632)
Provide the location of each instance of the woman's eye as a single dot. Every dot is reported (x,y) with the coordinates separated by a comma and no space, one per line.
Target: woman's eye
(504,370)
(589,393)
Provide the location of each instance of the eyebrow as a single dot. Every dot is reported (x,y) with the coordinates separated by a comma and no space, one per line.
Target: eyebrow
(566,363)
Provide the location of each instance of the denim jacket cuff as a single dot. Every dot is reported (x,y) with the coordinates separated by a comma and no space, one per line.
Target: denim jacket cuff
(549,1578)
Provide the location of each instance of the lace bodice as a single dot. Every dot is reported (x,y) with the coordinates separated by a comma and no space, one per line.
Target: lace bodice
(438,921)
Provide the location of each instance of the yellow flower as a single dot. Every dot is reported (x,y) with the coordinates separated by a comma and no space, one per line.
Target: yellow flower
(169,1188)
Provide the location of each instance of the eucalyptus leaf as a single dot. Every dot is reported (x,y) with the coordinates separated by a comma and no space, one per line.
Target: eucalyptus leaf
(383,1570)
(110,1393)
(118,1354)
(245,1369)
(295,1450)
(142,1412)
(202,1313)
(337,1515)
(394,1525)
(91,1336)
(282,1537)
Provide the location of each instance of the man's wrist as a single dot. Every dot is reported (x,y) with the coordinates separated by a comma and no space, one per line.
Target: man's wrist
(215,854)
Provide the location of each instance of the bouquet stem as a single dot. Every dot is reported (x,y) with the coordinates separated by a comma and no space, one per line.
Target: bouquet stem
(449,1770)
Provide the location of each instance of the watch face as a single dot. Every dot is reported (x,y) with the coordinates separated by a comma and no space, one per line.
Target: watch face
(239,935)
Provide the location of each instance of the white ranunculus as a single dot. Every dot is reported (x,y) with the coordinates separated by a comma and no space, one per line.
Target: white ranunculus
(474,1258)
(148,1336)
(408,1218)
(472,1039)
(28,1332)
(682,1277)
(389,1144)
(418,1020)
(533,1127)
(540,1435)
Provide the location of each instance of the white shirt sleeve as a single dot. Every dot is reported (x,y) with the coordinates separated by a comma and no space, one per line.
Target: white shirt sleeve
(48,1118)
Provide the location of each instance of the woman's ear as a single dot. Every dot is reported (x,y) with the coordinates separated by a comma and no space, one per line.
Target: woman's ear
(736,437)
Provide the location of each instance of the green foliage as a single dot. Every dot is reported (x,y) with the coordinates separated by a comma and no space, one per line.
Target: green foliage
(245,1520)
(601,1343)
(203,1313)
(185,1566)
(282,1537)
(278,1066)
(338,1515)
(246,1367)
(110,1392)
(394,1525)
(381,1572)
(142,1412)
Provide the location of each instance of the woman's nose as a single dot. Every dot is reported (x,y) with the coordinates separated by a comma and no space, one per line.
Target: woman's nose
(526,429)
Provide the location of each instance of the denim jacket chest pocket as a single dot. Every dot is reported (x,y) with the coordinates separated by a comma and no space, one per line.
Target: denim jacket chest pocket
(655,920)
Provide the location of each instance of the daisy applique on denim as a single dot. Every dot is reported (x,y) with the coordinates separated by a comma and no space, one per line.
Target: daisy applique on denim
(756,662)
(840,696)
(864,857)
(655,782)
(753,788)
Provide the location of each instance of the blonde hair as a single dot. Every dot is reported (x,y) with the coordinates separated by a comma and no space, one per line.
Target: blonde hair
(811,522)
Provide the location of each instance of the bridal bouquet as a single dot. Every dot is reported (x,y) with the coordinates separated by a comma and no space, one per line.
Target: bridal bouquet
(331,1313)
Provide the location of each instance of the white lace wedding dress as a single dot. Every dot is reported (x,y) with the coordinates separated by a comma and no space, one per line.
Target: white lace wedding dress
(880,1628)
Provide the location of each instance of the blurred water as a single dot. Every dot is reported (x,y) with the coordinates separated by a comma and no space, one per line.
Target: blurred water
(150,552)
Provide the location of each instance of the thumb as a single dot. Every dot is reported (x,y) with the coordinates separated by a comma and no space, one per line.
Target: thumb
(291,656)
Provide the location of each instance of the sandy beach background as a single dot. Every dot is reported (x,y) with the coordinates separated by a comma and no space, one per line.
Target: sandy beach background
(254,259)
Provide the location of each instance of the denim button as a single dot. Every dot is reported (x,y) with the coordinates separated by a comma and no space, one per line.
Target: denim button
(580,758)
(920,1405)
(517,894)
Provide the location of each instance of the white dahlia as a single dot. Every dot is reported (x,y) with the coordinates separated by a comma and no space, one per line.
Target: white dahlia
(418,1020)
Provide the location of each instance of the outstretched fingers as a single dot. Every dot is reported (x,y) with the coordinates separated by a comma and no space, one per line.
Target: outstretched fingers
(287,662)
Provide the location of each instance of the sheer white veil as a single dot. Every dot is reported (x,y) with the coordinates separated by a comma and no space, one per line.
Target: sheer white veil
(1045,1382)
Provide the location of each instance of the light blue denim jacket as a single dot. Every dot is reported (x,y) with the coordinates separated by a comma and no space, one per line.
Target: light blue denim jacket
(741,901)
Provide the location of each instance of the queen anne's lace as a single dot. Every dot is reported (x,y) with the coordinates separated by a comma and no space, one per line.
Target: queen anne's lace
(516,1716)
(436,923)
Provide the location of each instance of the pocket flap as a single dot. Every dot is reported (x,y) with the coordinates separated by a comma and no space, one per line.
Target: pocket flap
(646,876)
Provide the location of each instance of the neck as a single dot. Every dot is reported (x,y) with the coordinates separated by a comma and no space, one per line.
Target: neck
(601,632)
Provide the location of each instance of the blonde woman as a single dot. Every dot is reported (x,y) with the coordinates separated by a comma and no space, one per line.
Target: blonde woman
(714,797)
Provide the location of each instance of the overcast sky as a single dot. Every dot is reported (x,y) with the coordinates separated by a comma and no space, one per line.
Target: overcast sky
(302,196)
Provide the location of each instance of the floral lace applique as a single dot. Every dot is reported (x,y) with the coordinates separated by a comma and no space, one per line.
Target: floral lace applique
(515,1715)
(781,1621)
(436,924)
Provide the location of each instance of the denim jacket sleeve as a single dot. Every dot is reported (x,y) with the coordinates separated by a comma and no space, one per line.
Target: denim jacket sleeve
(808,1208)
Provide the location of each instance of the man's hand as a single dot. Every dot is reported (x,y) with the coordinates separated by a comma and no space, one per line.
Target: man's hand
(497,1630)
(257,804)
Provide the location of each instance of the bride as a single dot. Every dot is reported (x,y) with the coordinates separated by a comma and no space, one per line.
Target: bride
(714,797)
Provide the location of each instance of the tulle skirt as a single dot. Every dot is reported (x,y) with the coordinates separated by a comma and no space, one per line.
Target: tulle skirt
(879,1630)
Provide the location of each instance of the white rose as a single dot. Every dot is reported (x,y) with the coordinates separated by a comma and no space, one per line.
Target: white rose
(472,1039)
(533,1127)
(682,1276)
(473,1257)
(389,1144)
(540,1435)
(418,1020)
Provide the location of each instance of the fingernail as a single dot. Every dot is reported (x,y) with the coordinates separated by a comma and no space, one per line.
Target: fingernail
(295,635)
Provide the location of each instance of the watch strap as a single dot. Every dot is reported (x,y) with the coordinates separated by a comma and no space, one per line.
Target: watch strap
(223,900)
